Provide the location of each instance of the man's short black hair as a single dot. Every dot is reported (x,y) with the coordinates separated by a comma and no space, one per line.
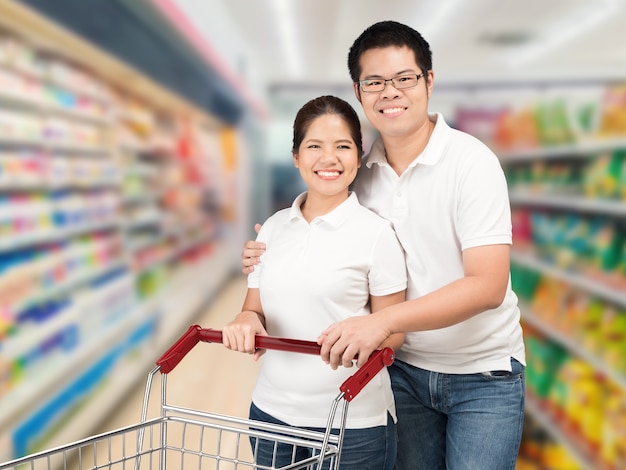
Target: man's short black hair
(386,34)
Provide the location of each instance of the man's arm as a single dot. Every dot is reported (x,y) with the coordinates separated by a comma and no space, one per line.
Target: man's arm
(378,303)
(483,287)
(251,254)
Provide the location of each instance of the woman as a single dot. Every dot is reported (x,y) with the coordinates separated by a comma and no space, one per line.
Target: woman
(328,258)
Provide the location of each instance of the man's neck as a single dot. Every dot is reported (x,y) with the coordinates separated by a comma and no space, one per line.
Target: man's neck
(401,151)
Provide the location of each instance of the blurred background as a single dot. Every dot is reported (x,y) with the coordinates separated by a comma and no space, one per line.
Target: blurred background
(141,140)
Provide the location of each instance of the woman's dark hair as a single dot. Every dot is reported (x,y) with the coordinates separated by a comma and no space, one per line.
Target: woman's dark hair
(326,105)
(387,34)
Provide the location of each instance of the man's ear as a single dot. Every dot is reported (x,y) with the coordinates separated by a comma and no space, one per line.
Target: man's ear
(357,91)
(430,82)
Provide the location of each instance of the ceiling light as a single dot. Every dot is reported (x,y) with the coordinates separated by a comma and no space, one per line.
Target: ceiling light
(288,39)
(438,21)
(505,38)
(570,26)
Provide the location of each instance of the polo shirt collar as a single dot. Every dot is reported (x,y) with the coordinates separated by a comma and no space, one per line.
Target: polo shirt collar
(335,218)
(429,156)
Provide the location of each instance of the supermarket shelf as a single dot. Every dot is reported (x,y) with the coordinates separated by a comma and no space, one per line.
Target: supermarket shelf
(581,149)
(150,220)
(174,253)
(136,246)
(55,235)
(174,307)
(57,82)
(532,261)
(568,199)
(141,169)
(178,304)
(20,399)
(545,418)
(41,32)
(140,199)
(74,282)
(36,334)
(569,202)
(578,182)
(23,186)
(118,106)
(41,108)
(54,147)
(571,345)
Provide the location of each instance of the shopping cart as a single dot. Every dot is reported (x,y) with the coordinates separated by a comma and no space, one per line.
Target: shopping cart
(187,438)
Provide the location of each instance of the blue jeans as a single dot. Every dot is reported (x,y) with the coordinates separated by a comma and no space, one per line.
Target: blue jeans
(457,421)
(363,449)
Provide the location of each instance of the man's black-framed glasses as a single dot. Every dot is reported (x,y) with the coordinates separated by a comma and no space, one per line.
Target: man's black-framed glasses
(401,82)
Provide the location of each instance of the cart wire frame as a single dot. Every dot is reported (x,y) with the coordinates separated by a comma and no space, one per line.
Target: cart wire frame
(183,437)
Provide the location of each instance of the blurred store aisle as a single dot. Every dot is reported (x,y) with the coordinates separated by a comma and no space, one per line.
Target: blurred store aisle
(210,378)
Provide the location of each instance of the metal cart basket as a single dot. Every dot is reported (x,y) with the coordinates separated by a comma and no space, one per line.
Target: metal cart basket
(182,438)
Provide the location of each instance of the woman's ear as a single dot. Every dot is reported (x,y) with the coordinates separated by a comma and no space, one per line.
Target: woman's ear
(295,159)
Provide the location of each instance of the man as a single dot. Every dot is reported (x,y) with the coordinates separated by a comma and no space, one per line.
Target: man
(459,378)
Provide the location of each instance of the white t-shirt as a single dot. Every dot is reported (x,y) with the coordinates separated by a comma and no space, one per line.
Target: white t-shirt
(453,197)
(311,276)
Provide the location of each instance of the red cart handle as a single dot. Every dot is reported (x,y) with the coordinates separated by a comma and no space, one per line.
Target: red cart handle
(351,387)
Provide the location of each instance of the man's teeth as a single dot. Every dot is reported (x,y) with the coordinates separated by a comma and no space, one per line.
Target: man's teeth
(392,110)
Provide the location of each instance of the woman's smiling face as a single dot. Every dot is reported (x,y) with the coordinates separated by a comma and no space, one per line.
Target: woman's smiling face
(328,158)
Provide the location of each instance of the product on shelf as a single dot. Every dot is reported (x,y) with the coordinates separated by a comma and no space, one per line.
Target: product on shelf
(604,176)
(613,121)
(586,406)
(543,362)
(588,244)
(613,449)
(540,451)
(16,53)
(553,123)
(598,326)
(613,334)
(578,394)
(556,116)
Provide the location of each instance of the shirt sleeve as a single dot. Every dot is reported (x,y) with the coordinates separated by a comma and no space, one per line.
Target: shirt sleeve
(484,213)
(388,273)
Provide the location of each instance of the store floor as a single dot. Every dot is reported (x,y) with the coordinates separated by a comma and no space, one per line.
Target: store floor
(210,378)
